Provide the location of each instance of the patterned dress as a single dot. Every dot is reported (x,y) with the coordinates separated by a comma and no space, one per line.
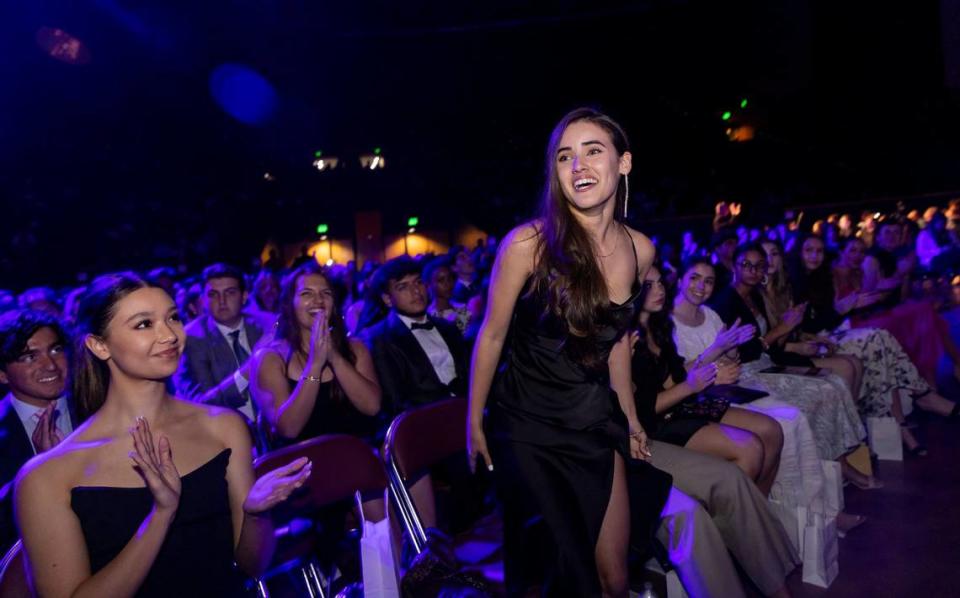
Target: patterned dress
(886,369)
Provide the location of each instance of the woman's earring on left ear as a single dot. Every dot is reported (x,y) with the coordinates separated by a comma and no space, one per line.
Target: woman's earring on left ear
(626,194)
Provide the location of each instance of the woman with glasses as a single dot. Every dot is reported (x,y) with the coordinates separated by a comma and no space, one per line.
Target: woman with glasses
(825,398)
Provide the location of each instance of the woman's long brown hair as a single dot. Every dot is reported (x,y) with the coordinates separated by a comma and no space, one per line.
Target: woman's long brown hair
(566,265)
(288,328)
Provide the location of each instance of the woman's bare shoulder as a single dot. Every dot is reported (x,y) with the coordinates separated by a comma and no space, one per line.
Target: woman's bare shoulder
(643,244)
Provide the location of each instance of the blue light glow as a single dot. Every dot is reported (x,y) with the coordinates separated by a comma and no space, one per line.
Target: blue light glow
(243,93)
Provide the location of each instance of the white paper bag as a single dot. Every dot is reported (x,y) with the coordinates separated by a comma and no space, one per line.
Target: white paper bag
(884,433)
(832,488)
(821,551)
(377,561)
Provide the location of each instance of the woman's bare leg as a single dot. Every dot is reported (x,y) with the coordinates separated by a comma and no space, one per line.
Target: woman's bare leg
(771,436)
(611,549)
(743,447)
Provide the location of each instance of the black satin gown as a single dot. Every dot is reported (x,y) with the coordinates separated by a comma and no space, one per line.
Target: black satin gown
(554,426)
(196,558)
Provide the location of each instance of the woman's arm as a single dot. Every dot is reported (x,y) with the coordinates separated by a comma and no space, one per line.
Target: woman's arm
(287,412)
(511,269)
(253,538)
(251,501)
(358,381)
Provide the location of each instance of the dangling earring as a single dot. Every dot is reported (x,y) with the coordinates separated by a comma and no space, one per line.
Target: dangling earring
(626,194)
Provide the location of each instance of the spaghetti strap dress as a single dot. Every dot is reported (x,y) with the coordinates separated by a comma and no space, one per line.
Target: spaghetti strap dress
(554,426)
(196,558)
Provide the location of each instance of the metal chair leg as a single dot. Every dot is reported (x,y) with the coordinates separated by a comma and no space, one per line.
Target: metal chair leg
(308,582)
(315,575)
(262,590)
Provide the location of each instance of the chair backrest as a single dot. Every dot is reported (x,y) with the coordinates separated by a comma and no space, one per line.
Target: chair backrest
(14,582)
(342,465)
(422,437)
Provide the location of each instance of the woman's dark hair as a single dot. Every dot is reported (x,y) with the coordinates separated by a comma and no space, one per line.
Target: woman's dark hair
(659,329)
(89,375)
(264,277)
(745,248)
(848,240)
(815,286)
(693,262)
(566,268)
(288,327)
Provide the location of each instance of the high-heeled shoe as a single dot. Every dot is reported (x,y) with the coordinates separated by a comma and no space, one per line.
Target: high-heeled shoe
(918,449)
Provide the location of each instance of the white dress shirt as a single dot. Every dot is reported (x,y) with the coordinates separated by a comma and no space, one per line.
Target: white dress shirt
(432,343)
(30,417)
(241,382)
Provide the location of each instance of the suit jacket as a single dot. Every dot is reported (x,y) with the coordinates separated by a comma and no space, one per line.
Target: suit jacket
(207,365)
(16,448)
(407,378)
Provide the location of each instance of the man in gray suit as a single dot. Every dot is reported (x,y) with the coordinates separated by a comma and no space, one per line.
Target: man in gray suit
(214,368)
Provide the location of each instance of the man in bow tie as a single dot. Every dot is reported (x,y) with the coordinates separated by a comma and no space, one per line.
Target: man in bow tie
(35,415)
(419,359)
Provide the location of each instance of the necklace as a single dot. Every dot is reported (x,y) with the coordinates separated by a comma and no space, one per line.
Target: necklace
(616,242)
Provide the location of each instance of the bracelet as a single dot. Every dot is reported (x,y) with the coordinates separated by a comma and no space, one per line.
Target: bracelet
(311,378)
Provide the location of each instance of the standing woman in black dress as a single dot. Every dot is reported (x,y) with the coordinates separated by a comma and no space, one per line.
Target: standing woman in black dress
(562,428)
(107,511)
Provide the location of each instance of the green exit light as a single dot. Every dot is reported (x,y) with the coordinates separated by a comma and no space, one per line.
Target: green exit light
(318,154)
(413,221)
(377,150)
(726,115)
(743,103)
(322,229)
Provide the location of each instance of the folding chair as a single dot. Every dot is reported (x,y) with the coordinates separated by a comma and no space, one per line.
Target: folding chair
(417,440)
(14,582)
(342,466)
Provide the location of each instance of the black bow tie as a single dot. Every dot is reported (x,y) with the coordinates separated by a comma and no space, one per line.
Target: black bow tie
(428,325)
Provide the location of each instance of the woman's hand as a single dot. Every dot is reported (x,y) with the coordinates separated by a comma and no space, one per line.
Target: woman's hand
(155,465)
(728,372)
(793,316)
(477,446)
(639,448)
(319,344)
(806,348)
(702,377)
(274,487)
(736,335)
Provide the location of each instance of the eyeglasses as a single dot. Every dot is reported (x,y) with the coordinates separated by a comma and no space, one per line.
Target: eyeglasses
(751,267)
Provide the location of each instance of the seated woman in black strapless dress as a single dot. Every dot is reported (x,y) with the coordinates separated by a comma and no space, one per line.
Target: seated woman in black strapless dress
(311,379)
(671,409)
(564,437)
(107,512)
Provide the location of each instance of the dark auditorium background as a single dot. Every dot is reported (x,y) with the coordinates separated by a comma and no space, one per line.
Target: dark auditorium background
(181,132)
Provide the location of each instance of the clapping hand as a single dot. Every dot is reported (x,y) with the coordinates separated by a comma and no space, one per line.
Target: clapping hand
(793,316)
(274,487)
(154,462)
(319,342)
(728,372)
(47,435)
(702,377)
(732,337)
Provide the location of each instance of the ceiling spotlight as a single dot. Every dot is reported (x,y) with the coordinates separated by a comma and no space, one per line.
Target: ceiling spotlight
(372,161)
(327,163)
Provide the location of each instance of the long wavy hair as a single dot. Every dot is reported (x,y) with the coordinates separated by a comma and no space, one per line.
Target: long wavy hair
(777,290)
(566,269)
(659,327)
(288,327)
(89,375)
